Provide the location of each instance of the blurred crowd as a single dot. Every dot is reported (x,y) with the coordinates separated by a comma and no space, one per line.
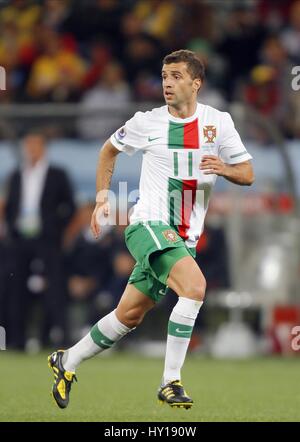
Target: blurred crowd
(98,51)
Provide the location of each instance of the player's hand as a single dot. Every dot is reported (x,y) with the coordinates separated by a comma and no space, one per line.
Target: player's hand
(212,164)
(101,209)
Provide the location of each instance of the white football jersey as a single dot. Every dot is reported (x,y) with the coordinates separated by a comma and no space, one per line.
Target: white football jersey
(173,189)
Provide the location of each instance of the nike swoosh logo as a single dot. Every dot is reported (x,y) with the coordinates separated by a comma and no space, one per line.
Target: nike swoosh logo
(104,343)
(153,139)
(181,331)
(161,292)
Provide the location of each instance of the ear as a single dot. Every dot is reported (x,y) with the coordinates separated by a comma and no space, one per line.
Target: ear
(197,84)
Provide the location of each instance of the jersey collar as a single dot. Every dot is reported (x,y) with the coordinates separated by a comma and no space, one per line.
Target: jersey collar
(183,120)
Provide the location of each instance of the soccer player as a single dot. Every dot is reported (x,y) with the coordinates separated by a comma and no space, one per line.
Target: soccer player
(186,145)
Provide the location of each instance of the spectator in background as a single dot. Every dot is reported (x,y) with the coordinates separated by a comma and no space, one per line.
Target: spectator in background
(97,18)
(273,12)
(18,51)
(274,54)
(240,46)
(193,19)
(140,52)
(267,88)
(57,73)
(275,59)
(23,13)
(262,91)
(99,57)
(111,90)
(290,37)
(55,13)
(38,208)
(157,16)
(236,36)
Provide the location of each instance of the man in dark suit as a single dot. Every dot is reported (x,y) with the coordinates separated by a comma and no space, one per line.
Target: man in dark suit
(39,206)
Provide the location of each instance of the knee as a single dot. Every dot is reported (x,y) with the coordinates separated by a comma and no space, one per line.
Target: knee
(195,291)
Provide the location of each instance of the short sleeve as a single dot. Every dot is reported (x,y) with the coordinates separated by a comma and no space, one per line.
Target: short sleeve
(231,148)
(131,137)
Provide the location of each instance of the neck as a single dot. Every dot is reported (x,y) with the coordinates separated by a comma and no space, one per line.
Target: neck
(184,111)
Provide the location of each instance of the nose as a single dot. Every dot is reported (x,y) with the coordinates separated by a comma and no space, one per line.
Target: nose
(166,83)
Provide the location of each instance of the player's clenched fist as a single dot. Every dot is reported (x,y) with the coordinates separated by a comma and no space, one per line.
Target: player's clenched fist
(101,209)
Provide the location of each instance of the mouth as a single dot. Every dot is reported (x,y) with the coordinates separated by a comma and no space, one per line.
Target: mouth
(168,94)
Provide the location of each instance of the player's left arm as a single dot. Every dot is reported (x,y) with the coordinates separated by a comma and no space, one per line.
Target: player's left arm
(240,173)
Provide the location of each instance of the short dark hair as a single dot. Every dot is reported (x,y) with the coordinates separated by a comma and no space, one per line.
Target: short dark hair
(195,65)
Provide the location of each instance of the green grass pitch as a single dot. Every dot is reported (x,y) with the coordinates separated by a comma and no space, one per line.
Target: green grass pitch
(122,387)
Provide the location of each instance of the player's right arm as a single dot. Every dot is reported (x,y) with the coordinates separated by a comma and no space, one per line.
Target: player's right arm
(128,139)
(105,168)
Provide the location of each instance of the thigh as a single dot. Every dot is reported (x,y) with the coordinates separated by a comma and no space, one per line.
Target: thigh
(185,273)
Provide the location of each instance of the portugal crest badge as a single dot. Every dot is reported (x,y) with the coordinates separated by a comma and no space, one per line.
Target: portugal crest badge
(210,133)
(170,235)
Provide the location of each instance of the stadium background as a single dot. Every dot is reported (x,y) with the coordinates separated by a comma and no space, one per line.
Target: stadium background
(77,70)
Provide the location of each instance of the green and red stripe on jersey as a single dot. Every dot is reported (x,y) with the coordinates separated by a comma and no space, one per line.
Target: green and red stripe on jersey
(182,136)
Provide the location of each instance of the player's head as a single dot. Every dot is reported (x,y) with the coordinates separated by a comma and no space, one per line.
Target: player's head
(182,77)
(34,146)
